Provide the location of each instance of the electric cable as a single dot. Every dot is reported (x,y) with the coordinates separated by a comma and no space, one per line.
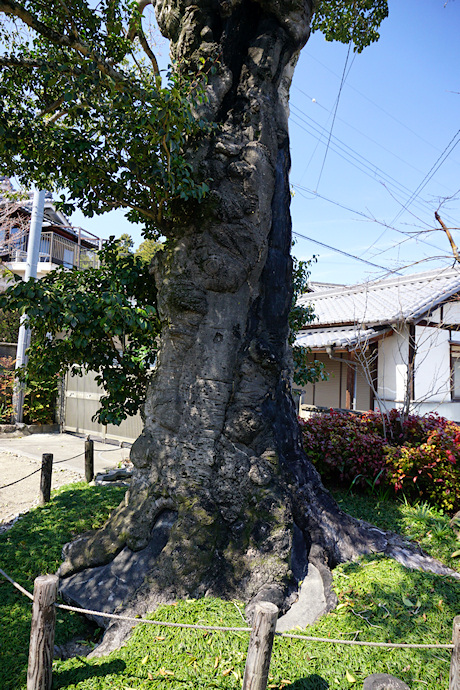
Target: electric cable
(342,81)
(356,159)
(340,251)
(430,174)
(363,95)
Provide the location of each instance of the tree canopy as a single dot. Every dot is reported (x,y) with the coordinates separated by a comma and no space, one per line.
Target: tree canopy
(84,108)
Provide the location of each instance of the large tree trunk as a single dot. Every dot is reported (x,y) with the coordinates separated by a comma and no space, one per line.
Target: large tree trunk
(221,449)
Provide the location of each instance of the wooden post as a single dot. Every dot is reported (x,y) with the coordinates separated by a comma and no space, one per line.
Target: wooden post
(45,479)
(454,676)
(89,460)
(260,646)
(40,668)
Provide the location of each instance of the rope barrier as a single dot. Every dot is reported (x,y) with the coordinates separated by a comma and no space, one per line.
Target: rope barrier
(58,462)
(168,624)
(220,628)
(391,645)
(17,585)
(20,480)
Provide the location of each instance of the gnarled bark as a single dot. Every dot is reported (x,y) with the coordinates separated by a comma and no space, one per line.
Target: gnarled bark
(221,445)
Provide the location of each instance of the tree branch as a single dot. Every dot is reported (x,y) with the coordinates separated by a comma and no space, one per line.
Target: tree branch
(69,14)
(11,7)
(53,106)
(124,202)
(136,29)
(449,236)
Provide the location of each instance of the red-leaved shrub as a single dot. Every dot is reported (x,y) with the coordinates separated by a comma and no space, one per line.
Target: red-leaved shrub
(419,456)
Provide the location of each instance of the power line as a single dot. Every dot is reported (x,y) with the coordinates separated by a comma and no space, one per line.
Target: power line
(366,217)
(356,159)
(432,171)
(351,156)
(340,251)
(374,141)
(342,81)
(403,124)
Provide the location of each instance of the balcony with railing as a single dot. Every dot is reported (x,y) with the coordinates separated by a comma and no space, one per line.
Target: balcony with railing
(76,250)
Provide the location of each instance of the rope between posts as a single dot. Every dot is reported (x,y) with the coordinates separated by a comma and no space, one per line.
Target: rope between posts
(219,628)
(168,624)
(38,470)
(17,585)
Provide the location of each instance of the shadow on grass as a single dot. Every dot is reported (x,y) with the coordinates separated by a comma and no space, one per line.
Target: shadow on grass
(62,679)
(313,682)
(386,514)
(32,547)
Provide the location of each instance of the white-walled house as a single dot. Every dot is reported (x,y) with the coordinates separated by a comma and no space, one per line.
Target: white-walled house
(388,343)
(61,244)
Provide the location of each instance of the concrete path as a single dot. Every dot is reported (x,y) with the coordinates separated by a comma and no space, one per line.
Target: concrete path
(67,449)
(20,464)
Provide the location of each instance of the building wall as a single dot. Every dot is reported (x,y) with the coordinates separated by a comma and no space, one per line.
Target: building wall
(432,382)
(332,393)
(451,313)
(393,355)
(81,401)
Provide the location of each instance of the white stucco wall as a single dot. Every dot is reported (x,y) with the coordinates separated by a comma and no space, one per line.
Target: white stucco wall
(393,355)
(451,313)
(449,410)
(435,316)
(432,365)
(431,371)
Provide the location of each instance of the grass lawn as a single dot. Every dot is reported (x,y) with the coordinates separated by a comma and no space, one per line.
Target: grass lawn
(379,601)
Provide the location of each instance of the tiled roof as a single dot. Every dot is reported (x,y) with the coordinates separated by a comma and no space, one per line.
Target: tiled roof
(321,287)
(345,337)
(402,298)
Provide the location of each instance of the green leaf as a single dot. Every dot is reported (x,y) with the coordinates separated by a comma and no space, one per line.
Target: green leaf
(408,603)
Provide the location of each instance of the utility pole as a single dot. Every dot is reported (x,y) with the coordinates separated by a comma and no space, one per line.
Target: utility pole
(33,248)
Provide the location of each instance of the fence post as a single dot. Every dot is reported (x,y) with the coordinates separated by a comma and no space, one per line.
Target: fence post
(45,479)
(40,667)
(260,646)
(89,460)
(454,676)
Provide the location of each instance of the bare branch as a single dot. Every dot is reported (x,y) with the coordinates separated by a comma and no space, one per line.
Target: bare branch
(449,236)
(135,29)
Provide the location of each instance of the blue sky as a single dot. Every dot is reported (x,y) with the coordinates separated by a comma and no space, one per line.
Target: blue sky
(392,141)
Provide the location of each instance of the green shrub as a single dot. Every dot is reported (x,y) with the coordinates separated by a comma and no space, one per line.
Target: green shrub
(6,389)
(40,400)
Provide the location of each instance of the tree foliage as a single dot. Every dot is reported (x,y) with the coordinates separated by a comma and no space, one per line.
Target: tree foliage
(147,250)
(9,326)
(100,319)
(125,244)
(350,21)
(79,111)
(82,111)
(305,371)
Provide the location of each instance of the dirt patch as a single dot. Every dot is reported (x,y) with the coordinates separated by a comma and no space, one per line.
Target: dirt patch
(20,477)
